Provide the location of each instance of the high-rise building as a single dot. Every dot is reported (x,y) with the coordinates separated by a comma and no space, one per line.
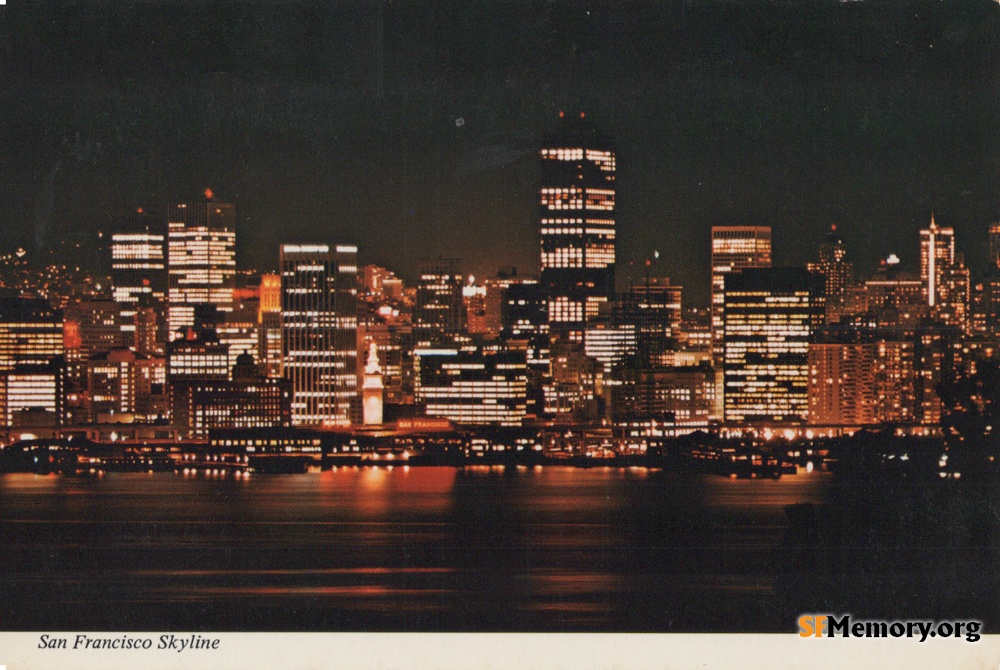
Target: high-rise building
(842,372)
(31,332)
(269,318)
(734,248)
(945,279)
(319,330)
(577,226)
(838,274)
(653,307)
(439,313)
(769,317)
(201,258)
(138,265)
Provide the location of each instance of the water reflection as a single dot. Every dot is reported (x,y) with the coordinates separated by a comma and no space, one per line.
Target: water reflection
(480,548)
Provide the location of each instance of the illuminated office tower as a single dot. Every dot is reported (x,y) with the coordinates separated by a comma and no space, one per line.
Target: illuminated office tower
(769,317)
(269,318)
(31,332)
(138,265)
(734,248)
(31,396)
(319,330)
(653,307)
(609,343)
(577,226)
(474,388)
(439,312)
(838,274)
(201,258)
(937,255)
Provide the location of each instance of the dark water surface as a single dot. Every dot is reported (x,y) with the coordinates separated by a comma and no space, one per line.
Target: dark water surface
(422,549)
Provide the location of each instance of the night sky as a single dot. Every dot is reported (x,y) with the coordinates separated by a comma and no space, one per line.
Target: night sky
(416,135)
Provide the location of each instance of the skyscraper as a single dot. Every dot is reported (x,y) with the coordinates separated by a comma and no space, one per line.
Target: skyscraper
(138,265)
(577,226)
(838,274)
(734,248)
(944,276)
(319,330)
(769,317)
(440,309)
(201,258)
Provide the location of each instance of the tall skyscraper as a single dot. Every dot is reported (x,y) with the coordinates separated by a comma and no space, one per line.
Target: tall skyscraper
(944,276)
(270,325)
(838,274)
(138,265)
(577,226)
(769,317)
(653,306)
(440,309)
(319,330)
(201,258)
(734,248)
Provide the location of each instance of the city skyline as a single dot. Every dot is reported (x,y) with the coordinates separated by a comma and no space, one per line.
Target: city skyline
(749,113)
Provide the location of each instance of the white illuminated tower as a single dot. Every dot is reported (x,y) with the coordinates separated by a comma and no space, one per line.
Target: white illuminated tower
(937,256)
(577,226)
(201,258)
(138,265)
(319,330)
(371,389)
(943,275)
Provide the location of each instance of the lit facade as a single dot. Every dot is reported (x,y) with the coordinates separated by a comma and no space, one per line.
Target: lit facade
(653,307)
(201,259)
(944,277)
(319,330)
(248,400)
(473,388)
(138,264)
(682,395)
(838,275)
(769,317)
(125,386)
(577,227)
(842,371)
(94,326)
(439,312)
(734,248)
(31,396)
(31,332)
